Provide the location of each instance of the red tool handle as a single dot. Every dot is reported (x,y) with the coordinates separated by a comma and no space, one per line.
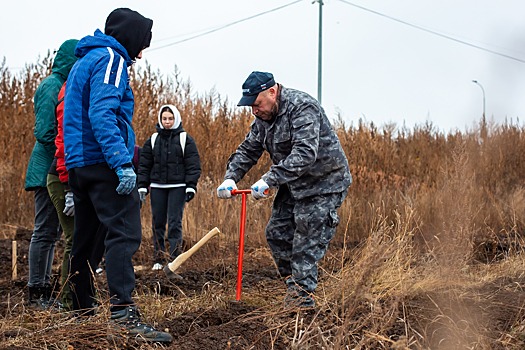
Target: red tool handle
(241,241)
(243,194)
(235,192)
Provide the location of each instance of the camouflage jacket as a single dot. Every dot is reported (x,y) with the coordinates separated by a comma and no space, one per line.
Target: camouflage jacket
(305,151)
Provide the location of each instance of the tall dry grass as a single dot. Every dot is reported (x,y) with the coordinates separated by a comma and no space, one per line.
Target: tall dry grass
(388,163)
(423,207)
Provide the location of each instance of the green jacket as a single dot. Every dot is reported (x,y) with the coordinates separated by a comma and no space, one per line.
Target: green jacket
(45,102)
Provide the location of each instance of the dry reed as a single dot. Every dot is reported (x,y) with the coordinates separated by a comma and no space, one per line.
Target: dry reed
(425,207)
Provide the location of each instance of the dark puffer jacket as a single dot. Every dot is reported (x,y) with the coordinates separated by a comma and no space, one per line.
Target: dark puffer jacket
(166,164)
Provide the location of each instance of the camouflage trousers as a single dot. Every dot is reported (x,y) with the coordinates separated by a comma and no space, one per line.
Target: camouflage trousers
(299,232)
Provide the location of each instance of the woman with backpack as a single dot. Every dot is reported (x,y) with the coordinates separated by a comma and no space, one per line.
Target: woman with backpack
(169,169)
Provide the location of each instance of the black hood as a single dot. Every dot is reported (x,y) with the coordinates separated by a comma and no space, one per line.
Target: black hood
(131,29)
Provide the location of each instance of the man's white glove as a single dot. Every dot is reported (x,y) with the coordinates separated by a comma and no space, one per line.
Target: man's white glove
(224,190)
(69,207)
(260,189)
(142,194)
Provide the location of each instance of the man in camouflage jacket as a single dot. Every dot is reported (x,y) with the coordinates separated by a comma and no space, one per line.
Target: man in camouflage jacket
(310,171)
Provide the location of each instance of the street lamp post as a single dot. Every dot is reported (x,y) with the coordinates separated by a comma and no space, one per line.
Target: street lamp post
(483,120)
(483,90)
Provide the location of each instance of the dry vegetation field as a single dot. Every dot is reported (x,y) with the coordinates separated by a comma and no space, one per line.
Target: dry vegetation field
(428,254)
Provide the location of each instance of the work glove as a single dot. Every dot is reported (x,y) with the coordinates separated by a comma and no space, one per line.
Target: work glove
(127,179)
(224,190)
(260,189)
(142,193)
(190,193)
(69,208)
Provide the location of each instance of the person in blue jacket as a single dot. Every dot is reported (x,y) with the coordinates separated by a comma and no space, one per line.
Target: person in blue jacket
(99,144)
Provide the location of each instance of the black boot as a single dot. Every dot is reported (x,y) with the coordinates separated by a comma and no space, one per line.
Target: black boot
(37,298)
(52,301)
(128,319)
(48,292)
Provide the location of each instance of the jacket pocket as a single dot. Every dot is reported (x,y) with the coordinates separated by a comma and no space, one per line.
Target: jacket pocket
(282,145)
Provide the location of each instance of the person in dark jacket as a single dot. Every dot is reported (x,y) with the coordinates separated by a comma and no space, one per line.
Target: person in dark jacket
(170,168)
(46,231)
(310,172)
(62,197)
(99,144)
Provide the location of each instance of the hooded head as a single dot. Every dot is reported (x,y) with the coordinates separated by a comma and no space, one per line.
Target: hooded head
(131,29)
(167,110)
(65,57)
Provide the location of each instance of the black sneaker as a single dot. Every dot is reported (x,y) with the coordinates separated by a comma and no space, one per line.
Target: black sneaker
(129,320)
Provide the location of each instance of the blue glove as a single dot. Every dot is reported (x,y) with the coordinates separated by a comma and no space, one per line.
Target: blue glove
(69,208)
(142,194)
(190,193)
(224,190)
(260,189)
(127,178)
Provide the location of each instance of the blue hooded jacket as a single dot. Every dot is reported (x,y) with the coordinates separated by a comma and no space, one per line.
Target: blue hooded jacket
(98,106)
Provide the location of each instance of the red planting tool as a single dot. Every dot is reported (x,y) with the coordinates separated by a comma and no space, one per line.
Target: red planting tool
(243,194)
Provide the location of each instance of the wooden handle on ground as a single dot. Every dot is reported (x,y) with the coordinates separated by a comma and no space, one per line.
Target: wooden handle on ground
(14,256)
(184,256)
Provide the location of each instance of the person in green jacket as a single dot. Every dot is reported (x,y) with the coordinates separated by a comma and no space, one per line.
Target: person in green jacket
(46,227)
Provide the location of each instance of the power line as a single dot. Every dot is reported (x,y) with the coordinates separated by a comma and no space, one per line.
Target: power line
(433,32)
(224,26)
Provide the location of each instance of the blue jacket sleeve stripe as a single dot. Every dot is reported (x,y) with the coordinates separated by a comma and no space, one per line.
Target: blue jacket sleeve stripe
(112,67)
(119,71)
(108,67)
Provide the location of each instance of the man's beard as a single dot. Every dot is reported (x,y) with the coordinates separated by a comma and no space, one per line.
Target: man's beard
(272,114)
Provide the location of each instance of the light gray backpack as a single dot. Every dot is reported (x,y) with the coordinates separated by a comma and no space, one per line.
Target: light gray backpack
(182,140)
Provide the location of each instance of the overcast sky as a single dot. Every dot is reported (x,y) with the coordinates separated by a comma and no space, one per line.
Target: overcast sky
(374,67)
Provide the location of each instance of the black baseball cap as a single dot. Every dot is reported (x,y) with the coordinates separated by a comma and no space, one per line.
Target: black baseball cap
(254,84)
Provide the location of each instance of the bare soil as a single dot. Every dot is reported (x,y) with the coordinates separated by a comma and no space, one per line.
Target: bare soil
(220,323)
(201,311)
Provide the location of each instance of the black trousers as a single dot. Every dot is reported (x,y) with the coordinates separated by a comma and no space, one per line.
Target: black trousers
(98,204)
(167,203)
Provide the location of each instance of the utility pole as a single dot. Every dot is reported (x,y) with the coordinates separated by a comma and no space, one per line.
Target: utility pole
(320,52)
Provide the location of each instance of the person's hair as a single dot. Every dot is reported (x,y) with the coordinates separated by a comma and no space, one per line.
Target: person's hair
(166,109)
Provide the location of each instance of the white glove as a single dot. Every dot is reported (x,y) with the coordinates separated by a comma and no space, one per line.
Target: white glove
(260,189)
(224,190)
(142,193)
(69,207)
